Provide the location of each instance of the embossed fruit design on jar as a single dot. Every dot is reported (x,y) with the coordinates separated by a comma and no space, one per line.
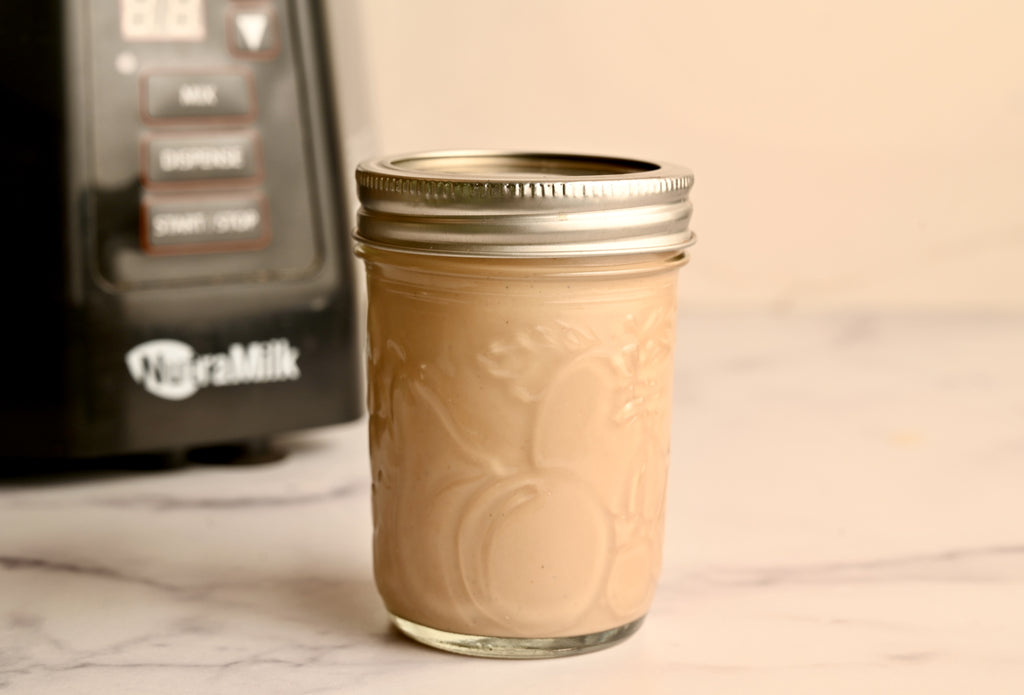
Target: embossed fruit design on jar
(521,323)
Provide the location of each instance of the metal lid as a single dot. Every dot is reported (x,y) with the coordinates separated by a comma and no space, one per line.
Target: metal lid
(513,204)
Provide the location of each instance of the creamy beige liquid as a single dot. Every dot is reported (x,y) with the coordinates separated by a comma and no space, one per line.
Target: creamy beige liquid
(519,435)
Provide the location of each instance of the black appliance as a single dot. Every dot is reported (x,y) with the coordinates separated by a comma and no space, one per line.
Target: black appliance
(175,225)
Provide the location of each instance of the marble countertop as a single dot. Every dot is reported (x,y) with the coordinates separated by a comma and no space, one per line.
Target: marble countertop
(846,516)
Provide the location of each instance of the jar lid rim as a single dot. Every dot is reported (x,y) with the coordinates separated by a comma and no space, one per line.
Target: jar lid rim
(517,174)
(504,202)
(514,165)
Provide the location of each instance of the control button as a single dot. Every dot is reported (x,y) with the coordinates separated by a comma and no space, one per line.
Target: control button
(252,31)
(200,224)
(217,95)
(183,159)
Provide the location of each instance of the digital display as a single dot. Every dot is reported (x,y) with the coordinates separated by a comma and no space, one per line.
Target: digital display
(163,20)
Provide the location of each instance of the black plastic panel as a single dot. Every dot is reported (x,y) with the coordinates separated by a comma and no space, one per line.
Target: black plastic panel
(220,118)
(119,342)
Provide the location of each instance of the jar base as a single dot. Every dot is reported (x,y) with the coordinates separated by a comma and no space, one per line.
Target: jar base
(514,647)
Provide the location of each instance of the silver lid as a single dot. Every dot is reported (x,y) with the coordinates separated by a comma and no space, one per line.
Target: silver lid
(512,204)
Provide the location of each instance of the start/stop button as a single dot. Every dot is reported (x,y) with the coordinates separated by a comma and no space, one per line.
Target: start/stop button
(180,224)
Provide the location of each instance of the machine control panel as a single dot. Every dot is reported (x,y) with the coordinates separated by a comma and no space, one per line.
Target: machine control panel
(199,143)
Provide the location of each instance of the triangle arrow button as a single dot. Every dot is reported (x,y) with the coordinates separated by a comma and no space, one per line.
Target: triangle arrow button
(254,32)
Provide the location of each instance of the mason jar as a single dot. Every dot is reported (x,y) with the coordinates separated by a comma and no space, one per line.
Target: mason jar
(521,327)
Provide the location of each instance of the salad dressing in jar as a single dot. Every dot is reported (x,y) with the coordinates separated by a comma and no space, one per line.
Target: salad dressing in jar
(521,327)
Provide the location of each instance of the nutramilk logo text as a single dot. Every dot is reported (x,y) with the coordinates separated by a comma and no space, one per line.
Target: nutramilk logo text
(171,369)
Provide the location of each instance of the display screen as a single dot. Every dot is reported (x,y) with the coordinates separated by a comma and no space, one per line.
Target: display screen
(163,20)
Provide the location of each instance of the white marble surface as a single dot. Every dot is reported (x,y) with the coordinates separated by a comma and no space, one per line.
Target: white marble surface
(846,516)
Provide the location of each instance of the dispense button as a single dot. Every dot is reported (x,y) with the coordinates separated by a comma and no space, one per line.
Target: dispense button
(190,96)
(193,225)
(231,157)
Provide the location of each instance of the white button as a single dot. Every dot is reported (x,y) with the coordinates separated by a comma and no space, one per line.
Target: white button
(253,32)
(252,28)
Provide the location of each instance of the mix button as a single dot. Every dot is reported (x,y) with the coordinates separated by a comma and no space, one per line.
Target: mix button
(174,96)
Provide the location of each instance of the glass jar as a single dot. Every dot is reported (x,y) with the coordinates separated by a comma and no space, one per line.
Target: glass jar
(521,325)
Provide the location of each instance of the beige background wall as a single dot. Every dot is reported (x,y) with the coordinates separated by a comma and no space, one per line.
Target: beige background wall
(848,154)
